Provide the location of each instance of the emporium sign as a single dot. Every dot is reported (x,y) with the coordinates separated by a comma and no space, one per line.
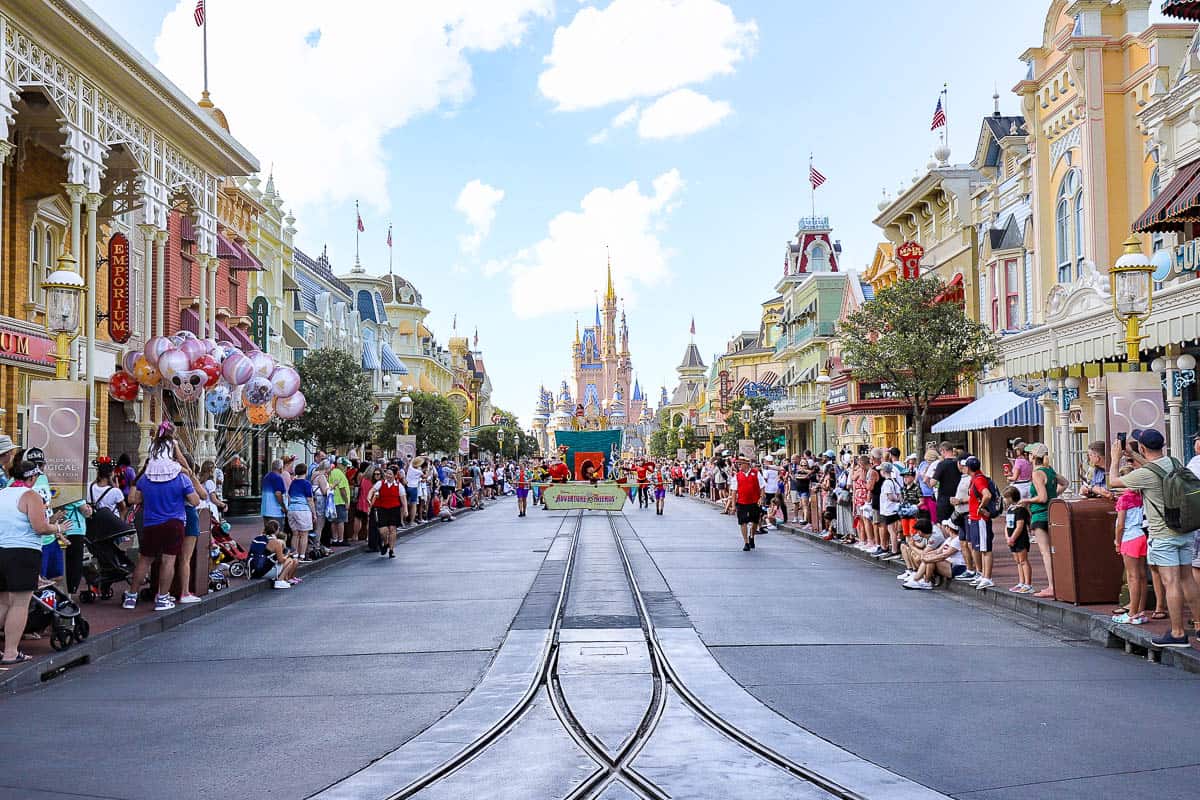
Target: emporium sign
(119,328)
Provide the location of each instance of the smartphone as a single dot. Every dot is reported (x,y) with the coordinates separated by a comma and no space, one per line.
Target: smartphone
(1121,438)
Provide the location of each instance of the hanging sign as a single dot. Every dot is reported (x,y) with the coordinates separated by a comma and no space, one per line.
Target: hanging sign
(726,390)
(406,446)
(1135,400)
(908,256)
(119,328)
(258,322)
(57,423)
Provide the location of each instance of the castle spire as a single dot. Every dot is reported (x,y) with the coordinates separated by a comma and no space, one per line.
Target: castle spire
(611,295)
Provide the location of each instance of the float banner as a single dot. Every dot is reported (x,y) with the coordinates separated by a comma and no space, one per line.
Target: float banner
(58,424)
(601,497)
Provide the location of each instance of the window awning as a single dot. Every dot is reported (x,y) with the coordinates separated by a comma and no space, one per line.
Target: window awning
(369,359)
(995,410)
(954,292)
(289,283)
(245,260)
(1176,204)
(390,362)
(293,339)
(189,321)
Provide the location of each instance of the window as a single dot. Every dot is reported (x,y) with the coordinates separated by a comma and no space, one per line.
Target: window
(1157,241)
(1062,238)
(1012,301)
(1068,228)
(995,286)
(818,259)
(1028,288)
(185,276)
(1079,233)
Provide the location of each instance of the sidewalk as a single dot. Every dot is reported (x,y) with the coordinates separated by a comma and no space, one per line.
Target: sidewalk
(1093,622)
(113,627)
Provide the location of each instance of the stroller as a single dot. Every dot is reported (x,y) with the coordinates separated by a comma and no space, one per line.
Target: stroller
(110,563)
(227,551)
(51,608)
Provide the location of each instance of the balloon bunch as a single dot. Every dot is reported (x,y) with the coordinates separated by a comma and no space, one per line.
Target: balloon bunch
(240,388)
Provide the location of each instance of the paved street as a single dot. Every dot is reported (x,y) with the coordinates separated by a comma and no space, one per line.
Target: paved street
(318,690)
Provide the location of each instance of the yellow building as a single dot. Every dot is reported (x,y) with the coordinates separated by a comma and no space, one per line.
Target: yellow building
(428,363)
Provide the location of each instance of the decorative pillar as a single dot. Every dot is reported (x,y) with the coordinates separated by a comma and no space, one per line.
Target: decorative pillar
(146,421)
(202,326)
(1098,394)
(160,306)
(6,149)
(89,315)
(213,263)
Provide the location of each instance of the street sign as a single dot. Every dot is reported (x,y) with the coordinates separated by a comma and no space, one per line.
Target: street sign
(681,454)
(119,328)
(258,322)
(464,445)
(908,257)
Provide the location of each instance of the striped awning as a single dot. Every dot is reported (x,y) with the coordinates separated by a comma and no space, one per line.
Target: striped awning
(369,359)
(390,362)
(1176,203)
(995,410)
(768,379)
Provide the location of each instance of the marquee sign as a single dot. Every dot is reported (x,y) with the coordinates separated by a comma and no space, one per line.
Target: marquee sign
(725,391)
(119,326)
(908,256)
(763,390)
(259,311)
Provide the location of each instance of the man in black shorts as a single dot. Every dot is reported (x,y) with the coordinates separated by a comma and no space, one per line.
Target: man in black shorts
(945,477)
(749,493)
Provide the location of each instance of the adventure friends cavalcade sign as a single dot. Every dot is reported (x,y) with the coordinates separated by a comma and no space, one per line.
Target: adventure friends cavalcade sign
(593,497)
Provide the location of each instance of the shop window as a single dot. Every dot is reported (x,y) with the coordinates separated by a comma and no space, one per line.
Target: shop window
(44,249)
(995,281)
(185,277)
(1012,299)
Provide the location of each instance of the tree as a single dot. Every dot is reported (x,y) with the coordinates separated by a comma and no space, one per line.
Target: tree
(918,344)
(516,442)
(340,402)
(434,423)
(664,442)
(762,426)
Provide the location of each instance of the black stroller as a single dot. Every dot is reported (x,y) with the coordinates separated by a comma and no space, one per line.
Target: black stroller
(53,609)
(110,563)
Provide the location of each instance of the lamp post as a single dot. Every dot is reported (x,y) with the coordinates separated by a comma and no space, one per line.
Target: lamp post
(63,287)
(712,433)
(1132,287)
(500,440)
(747,413)
(682,436)
(406,409)
(823,381)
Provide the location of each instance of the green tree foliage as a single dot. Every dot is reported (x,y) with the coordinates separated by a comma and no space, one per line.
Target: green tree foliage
(763,429)
(664,442)
(516,441)
(918,345)
(340,402)
(434,423)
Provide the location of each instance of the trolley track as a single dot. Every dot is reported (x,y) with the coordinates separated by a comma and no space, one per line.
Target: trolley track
(612,771)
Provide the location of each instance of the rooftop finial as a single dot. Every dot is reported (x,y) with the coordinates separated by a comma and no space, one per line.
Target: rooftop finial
(611,295)
(996,99)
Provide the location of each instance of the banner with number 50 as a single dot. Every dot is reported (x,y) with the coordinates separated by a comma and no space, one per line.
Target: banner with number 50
(1135,401)
(58,424)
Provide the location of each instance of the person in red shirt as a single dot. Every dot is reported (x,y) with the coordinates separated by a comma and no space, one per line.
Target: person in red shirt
(522,488)
(749,493)
(643,482)
(559,473)
(660,491)
(385,500)
(980,524)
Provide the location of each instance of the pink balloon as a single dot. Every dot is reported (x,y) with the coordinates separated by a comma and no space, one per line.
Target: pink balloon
(263,364)
(210,347)
(291,406)
(129,360)
(194,348)
(237,369)
(156,347)
(185,335)
(285,381)
(173,362)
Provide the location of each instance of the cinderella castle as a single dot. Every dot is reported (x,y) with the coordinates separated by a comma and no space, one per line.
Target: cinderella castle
(602,392)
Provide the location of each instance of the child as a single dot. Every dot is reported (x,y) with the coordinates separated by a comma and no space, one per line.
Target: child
(775,512)
(1016,530)
(1131,543)
(910,495)
(165,462)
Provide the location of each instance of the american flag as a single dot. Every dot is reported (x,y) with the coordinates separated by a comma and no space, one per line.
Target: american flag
(389,233)
(939,117)
(814,177)
(358,216)
(693,326)
(198,14)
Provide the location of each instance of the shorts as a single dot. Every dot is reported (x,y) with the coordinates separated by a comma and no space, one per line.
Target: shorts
(1021,544)
(876,517)
(52,560)
(908,526)
(412,492)
(165,539)
(360,514)
(748,513)
(1039,525)
(19,568)
(982,535)
(273,573)
(387,517)
(1196,550)
(890,519)
(300,518)
(191,526)
(957,569)
(659,494)
(446,491)
(1136,548)
(522,494)
(767,498)
(1171,551)
(1023,487)
(341,513)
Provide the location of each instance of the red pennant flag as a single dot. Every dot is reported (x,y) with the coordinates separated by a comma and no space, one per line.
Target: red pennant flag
(693,326)
(198,14)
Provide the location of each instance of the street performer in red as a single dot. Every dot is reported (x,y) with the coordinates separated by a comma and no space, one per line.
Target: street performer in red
(660,490)
(749,492)
(522,488)
(643,483)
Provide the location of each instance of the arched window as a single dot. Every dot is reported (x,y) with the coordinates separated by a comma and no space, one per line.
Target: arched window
(1062,240)
(818,258)
(1079,233)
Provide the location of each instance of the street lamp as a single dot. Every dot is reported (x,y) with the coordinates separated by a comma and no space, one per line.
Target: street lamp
(823,381)
(405,404)
(63,287)
(1132,286)
(747,413)
(500,440)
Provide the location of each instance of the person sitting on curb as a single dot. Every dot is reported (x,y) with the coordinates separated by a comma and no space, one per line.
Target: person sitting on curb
(946,561)
(269,558)
(923,539)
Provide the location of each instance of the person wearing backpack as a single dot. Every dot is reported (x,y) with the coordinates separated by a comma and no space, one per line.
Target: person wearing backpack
(983,507)
(1171,497)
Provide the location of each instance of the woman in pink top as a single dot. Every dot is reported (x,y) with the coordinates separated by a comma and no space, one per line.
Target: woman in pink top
(362,507)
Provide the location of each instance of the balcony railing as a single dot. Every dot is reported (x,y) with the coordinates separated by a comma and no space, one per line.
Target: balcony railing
(798,337)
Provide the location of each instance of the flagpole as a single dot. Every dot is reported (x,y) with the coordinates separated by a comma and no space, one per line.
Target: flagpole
(357,226)
(204,37)
(389,250)
(946,111)
(812,186)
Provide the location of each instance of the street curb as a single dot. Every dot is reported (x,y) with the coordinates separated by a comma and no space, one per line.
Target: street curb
(1063,616)
(96,647)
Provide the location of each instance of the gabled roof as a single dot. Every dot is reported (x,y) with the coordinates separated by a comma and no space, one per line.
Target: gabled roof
(321,270)
(991,132)
(691,358)
(1007,236)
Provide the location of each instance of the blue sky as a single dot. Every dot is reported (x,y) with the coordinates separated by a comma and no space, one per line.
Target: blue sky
(404,105)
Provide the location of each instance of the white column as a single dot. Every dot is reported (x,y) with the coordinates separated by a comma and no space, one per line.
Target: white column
(76,192)
(89,314)
(1175,411)
(161,237)
(146,421)
(6,149)
(213,264)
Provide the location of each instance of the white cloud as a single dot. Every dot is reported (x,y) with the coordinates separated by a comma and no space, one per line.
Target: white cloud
(318,93)
(477,202)
(626,117)
(642,48)
(680,113)
(561,272)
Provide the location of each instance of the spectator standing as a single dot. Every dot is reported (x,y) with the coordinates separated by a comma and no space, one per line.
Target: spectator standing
(1016,534)
(191,534)
(1022,469)
(124,475)
(301,510)
(1131,544)
(1046,485)
(413,476)
(7,450)
(163,521)
(980,521)
(273,505)
(339,486)
(943,479)
(771,484)
(890,497)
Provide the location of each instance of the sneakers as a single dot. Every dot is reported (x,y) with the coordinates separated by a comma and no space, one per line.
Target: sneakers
(984,583)
(189,598)
(1022,588)
(966,577)
(282,585)
(163,602)
(751,542)
(130,600)
(922,585)
(1122,619)
(907,575)
(746,547)
(1167,640)
(892,557)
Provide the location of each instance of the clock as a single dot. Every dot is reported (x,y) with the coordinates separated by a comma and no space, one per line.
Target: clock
(1028,387)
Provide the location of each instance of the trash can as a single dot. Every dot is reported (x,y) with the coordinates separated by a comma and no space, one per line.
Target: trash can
(1086,567)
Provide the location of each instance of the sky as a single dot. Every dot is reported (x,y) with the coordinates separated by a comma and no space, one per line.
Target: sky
(511,144)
